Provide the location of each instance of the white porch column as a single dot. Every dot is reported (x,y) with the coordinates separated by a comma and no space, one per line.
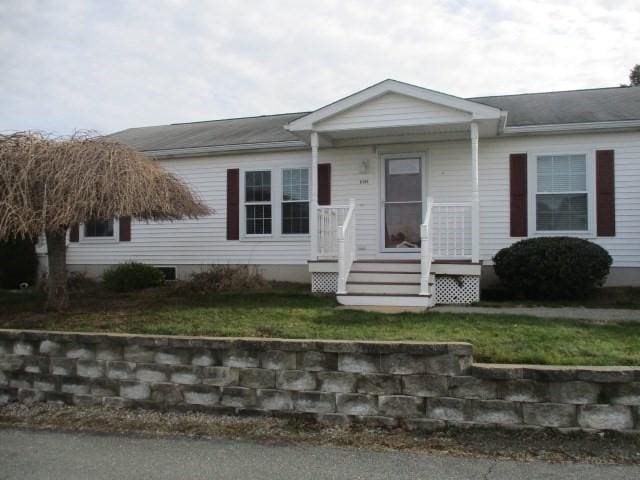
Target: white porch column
(313,205)
(475,196)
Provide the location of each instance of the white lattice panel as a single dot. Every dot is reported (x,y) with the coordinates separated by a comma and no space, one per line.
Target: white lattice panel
(324,282)
(457,289)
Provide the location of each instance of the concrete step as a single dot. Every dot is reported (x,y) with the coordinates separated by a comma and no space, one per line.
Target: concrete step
(386,300)
(386,266)
(384,288)
(382,276)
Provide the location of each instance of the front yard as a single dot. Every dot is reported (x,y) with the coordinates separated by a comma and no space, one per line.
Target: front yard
(291,312)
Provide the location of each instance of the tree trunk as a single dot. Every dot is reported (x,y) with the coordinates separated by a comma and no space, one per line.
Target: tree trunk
(57,297)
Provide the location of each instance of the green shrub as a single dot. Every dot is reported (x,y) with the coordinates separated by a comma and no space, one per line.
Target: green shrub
(552,267)
(18,262)
(132,276)
(225,278)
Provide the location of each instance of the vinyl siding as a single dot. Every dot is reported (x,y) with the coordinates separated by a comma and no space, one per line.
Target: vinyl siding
(204,241)
(392,110)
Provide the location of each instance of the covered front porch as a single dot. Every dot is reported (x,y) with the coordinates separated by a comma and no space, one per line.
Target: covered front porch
(402,227)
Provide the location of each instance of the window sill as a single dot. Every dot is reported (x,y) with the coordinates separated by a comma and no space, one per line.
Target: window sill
(572,233)
(271,238)
(98,240)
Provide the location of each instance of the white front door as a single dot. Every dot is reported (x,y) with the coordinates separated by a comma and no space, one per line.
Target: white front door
(402,200)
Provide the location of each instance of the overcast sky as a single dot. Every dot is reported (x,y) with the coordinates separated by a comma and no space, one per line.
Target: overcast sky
(110,65)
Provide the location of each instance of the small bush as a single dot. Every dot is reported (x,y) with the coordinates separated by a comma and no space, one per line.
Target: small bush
(552,267)
(132,276)
(225,278)
(18,262)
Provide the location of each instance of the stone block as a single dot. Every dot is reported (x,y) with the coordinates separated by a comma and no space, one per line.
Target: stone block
(6,347)
(275,400)
(337,382)
(403,364)
(121,370)
(21,382)
(257,378)
(240,358)
(75,387)
(605,417)
(315,402)
(135,391)
(58,398)
(220,376)
(28,396)
(549,414)
(451,409)
(48,347)
(102,387)
(63,366)
(23,348)
(471,387)
(172,357)
(151,373)
(204,358)
(549,373)
(579,393)
(626,394)
(423,424)
(424,385)
(138,354)
(377,421)
(358,363)
(522,391)
(356,404)
(44,384)
(278,360)
(489,371)
(317,361)
(36,364)
(4,380)
(496,411)
(379,384)
(116,403)
(81,352)
(446,364)
(185,375)
(607,374)
(401,406)
(202,395)
(296,380)
(11,363)
(89,369)
(84,401)
(166,394)
(109,353)
(239,397)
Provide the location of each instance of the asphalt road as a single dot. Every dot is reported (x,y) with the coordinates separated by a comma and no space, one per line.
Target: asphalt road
(53,455)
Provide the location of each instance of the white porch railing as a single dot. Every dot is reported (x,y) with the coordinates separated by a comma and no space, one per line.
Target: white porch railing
(426,249)
(330,217)
(450,231)
(346,247)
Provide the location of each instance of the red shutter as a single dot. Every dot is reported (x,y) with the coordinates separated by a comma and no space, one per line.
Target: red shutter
(324,184)
(605,193)
(125,229)
(233,204)
(518,194)
(74,233)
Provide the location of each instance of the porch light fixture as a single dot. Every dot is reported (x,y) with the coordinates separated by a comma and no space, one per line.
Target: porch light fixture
(364,166)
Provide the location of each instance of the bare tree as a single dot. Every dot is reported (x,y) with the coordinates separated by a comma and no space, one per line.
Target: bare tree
(634,76)
(49,184)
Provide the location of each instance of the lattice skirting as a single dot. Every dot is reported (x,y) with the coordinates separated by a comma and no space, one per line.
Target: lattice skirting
(324,282)
(457,289)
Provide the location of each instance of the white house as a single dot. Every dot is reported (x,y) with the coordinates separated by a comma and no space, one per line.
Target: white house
(393,195)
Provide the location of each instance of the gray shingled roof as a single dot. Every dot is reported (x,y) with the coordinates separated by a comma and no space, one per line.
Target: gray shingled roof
(234,131)
(576,106)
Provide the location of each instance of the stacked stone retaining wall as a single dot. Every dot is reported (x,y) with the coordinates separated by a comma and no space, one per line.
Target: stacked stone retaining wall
(415,385)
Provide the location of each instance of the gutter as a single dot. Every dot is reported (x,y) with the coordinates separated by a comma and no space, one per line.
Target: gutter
(225,149)
(572,127)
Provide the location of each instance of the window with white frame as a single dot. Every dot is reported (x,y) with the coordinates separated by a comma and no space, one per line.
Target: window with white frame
(257,201)
(99,229)
(562,195)
(295,201)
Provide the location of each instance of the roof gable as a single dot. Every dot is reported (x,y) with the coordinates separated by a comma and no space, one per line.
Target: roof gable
(392,89)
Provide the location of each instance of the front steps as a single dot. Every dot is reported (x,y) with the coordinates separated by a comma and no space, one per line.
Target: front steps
(386,283)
